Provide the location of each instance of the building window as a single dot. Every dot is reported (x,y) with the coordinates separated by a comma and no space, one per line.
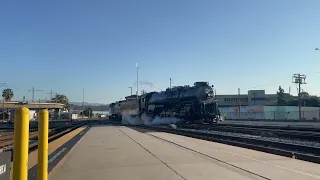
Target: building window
(257,99)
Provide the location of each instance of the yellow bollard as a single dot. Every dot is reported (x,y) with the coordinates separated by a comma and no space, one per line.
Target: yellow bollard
(43,129)
(21,144)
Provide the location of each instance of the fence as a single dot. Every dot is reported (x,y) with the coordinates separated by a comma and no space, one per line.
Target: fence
(270,112)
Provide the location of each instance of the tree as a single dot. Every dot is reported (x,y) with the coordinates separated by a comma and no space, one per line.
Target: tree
(7,94)
(312,102)
(63,99)
(304,95)
(293,102)
(87,112)
(282,101)
(306,100)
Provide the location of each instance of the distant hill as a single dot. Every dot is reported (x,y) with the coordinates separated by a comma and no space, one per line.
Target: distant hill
(94,106)
(86,104)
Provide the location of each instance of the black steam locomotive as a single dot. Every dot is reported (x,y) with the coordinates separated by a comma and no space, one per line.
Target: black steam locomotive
(192,104)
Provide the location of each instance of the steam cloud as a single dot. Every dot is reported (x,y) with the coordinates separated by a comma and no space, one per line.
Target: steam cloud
(145,120)
(147,83)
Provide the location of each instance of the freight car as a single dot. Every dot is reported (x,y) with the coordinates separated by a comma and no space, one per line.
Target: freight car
(192,104)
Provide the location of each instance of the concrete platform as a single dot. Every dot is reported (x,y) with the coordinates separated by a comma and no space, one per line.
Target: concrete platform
(121,153)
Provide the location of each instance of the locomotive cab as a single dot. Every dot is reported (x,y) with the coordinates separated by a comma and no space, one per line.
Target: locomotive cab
(142,104)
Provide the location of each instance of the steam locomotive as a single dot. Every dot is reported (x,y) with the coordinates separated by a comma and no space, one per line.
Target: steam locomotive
(191,104)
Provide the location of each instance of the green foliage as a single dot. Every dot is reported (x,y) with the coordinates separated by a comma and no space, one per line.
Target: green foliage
(285,99)
(63,99)
(87,112)
(311,101)
(7,94)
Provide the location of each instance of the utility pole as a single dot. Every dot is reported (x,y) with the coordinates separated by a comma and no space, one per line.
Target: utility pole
(299,79)
(131,90)
(239,102)
(32,93)
(55,94)
(137,80)
(51,95)
(170,83)
(33,90)
(289,90)
(39,108)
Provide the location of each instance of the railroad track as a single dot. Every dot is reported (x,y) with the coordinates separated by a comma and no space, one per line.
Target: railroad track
(9,140)
(33,136)
(300,128)
(278,132)
(304,152)
(32,124)
(6,138)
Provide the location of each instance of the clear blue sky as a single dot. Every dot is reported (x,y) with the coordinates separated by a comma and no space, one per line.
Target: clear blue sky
(67,45)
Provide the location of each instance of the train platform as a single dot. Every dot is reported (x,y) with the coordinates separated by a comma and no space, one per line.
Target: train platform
(121,153)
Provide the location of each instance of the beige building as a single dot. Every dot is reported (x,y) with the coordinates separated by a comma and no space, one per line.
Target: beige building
(254,97)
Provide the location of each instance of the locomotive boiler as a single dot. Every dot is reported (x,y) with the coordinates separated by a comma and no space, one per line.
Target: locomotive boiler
(189,103)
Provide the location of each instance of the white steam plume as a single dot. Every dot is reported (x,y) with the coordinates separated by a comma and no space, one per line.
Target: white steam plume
(145,120)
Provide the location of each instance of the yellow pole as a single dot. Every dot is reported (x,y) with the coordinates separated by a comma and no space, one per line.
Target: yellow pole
(43,129)
(21,144)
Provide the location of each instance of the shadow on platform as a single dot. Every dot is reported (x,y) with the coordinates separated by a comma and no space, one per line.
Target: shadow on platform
(118,124)
(141,130)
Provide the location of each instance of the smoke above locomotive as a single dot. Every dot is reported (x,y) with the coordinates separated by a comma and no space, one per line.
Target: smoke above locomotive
(188,103)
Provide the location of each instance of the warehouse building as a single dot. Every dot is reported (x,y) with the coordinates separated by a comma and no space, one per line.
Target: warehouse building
(254,97)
